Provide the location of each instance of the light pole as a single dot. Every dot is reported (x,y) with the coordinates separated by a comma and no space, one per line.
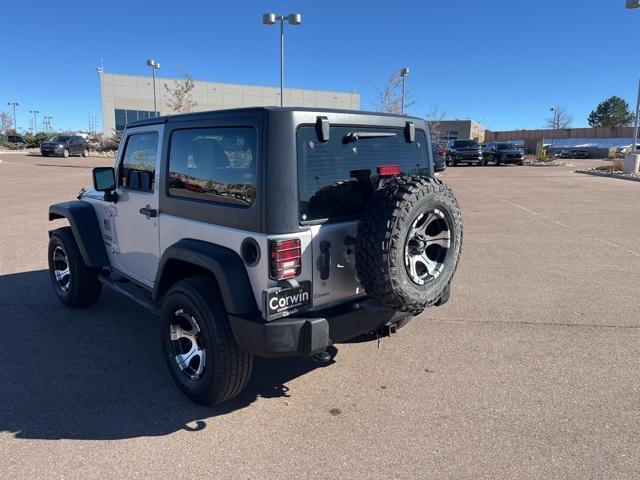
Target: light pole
(35,119)
(635,4)
(404,73)
(14,105)
(47,123)
(293,19)
(553,123)
(556,118)
(154,66)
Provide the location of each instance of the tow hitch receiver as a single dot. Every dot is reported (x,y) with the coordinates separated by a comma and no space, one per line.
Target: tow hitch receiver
(388,330)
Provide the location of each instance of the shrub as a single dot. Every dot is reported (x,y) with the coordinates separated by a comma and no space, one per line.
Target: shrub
(618,164)
(34,141)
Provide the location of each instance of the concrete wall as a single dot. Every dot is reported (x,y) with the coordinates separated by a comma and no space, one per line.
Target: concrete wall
(130,92)
(531,137)
(467,130)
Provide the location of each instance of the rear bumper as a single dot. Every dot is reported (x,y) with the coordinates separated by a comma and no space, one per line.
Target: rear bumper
(310,333)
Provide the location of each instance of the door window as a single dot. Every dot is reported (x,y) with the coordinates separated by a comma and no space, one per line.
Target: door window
(138,167)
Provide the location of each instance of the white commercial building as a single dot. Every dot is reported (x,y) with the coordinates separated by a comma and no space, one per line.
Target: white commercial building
(126,98)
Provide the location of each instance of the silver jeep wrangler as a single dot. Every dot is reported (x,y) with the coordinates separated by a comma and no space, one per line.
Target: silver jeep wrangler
(262,231)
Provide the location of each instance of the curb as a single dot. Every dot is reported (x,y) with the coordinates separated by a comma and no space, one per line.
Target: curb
(609,175)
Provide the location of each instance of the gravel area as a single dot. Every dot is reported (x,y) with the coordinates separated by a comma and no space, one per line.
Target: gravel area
(610,173)
(538,163)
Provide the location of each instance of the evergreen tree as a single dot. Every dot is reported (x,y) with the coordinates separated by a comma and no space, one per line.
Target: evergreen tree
(613,112)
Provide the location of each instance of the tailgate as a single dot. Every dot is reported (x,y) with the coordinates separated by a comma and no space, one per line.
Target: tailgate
(334,264)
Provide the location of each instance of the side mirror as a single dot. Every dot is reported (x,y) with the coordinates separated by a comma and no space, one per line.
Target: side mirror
(104,180)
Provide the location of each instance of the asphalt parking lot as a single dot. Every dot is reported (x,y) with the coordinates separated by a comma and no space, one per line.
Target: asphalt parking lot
(531,371)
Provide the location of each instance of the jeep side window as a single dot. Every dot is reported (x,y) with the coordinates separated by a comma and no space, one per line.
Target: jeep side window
(138,167)
(214,164)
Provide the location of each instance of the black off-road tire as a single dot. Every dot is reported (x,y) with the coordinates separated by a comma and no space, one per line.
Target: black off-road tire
(83,287)
(226,369)
(383,234)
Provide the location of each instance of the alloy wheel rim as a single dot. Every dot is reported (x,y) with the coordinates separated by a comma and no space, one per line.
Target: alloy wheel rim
(427,246)
(61,268)
(188,349)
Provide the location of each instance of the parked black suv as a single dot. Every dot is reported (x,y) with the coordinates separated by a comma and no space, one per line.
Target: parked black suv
(463,151)
(578,154)
(65,145)
(502,153)
(16,139)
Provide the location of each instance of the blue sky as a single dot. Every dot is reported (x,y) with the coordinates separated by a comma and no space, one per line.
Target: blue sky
(501,63)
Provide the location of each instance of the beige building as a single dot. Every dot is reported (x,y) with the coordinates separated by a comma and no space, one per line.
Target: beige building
(444,130)
(126,98)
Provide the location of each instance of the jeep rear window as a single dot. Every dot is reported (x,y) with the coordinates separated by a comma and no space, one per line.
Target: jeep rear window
(337,178)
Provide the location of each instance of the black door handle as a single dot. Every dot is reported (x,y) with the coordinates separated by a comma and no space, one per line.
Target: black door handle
(149,212)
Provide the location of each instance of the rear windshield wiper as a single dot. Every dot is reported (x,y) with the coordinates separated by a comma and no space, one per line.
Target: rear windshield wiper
(355,136)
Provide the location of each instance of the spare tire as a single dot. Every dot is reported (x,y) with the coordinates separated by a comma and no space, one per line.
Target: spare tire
(408,243)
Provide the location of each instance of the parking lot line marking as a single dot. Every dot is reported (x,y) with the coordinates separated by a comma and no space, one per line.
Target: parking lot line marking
(521,207)
(619,247)
(534,324)
(544,217)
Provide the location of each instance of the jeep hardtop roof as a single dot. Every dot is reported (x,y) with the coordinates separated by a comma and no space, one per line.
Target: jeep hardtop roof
(182,117)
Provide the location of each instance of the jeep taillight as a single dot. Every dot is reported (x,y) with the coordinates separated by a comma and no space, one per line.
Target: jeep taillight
(388,170)
(285,259)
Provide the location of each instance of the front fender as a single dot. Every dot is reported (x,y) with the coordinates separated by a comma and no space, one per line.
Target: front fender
(86,231)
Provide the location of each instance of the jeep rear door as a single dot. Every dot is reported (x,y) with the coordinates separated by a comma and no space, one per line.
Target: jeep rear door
(336,179)
(134,218)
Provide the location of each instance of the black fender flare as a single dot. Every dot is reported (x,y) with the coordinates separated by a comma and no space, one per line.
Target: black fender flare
(86,231)
(223,263)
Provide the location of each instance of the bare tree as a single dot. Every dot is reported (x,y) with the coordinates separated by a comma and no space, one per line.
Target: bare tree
(434,118)
(561,119)
(6,122)
(180,100)
(390,97)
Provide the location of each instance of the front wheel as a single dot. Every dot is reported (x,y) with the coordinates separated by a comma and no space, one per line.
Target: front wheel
(85,152)
(65,153)
(75,283)
(199,347)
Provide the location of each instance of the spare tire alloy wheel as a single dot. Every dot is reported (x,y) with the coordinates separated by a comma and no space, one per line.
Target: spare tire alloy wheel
(408,243)
(427,245)
(188,345)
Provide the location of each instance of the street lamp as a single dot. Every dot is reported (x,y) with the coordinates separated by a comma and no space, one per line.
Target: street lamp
(35,119)
(14,105)
(404,73)
(635,4)
(154,66)
(556,118)
(47,122)
(271,19)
